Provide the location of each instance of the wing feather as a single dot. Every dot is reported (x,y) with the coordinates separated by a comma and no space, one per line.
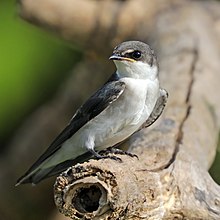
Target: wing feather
(158,109)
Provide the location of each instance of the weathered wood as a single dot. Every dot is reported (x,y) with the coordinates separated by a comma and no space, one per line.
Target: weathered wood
(170,180)
(91,22)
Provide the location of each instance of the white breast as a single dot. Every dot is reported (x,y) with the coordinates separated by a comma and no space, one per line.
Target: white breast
(124,116)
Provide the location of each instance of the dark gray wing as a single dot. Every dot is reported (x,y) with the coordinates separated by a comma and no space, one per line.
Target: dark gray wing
(90,109)
(158,109)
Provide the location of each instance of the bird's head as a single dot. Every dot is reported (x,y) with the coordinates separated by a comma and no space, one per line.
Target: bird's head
(135,59)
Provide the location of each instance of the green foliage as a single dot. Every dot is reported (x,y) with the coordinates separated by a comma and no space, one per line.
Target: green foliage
(214,170)
(32,64)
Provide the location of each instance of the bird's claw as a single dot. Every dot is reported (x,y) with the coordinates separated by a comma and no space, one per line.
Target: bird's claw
(105,155)
(110,157)
(113,150)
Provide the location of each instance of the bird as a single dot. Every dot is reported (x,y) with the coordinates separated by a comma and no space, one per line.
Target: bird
(130,100)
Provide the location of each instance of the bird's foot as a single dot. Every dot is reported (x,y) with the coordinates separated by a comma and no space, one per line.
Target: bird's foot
(113,150)
(104,155)
(110,157)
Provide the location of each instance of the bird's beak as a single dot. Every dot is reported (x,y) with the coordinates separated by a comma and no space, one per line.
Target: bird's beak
(120,58)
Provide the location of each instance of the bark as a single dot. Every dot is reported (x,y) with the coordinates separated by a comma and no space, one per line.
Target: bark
(170,180)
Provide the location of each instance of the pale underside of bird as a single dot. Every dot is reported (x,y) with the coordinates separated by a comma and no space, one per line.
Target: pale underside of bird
(130,100)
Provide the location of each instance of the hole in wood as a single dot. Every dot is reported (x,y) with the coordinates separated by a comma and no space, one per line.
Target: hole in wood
(87,199)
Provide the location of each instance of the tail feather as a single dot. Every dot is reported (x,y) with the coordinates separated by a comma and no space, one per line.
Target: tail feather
(37,175)
(34,177)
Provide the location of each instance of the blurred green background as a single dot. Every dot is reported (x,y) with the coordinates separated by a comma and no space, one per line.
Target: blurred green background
(215,169)
(28,68)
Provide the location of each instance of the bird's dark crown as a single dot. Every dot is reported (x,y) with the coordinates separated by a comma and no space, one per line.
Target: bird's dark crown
(136,51)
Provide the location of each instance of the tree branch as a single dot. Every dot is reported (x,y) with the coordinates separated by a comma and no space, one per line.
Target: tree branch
(95,22)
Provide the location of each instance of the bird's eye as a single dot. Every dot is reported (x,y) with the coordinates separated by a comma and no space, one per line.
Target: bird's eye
(136,54)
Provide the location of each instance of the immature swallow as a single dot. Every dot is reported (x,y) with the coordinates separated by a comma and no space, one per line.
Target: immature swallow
(129,100)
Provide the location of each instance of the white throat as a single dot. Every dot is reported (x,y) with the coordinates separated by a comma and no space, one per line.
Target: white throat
(137,70)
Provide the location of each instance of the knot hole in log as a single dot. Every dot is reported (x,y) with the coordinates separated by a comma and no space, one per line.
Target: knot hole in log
(85,191)
(87,199)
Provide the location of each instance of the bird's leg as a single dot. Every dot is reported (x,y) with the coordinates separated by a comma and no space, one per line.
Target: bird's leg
(114,150)
(90,144)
